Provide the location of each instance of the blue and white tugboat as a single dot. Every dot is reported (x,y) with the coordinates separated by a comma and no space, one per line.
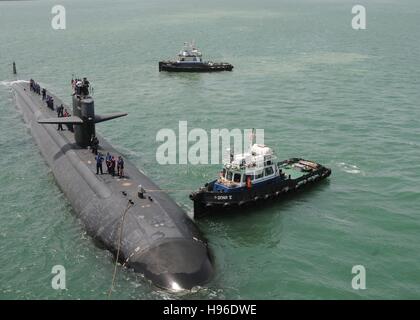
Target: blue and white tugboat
(190,60)
(255,176)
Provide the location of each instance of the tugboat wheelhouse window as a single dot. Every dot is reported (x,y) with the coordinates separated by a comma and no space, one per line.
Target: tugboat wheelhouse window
(229,175)
(237,177)
(269,171)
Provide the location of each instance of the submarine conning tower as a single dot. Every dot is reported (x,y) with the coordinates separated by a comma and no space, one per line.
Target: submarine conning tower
(84,108)
(84,117)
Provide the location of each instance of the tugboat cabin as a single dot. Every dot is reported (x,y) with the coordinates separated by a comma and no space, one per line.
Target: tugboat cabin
(253,168)
(189,54)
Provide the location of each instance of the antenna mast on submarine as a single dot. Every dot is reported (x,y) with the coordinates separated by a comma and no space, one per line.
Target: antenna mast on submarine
(14,68)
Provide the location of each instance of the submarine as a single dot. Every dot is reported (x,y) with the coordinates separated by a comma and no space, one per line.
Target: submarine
(146,231)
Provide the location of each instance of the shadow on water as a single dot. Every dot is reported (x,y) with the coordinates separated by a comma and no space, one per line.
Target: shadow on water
(253,225)
(193,76)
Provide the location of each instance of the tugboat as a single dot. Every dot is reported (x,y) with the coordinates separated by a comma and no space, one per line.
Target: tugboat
(255,176)
(190,60)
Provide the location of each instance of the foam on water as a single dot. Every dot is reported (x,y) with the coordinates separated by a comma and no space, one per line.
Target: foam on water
(349,168)
(10,83)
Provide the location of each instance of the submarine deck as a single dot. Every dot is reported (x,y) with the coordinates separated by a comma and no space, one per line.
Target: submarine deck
(85,155)
(154,235)
(150,209)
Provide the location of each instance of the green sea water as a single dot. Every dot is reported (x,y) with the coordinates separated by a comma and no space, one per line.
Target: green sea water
(321,90)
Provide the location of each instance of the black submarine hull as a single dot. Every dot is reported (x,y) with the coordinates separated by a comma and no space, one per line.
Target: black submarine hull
(173,66)
(157,239)
(209,202)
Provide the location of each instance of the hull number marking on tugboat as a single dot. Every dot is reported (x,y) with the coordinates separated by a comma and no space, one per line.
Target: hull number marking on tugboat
(223,197)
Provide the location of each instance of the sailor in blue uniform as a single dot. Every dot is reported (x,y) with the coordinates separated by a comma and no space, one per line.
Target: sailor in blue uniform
(99,159)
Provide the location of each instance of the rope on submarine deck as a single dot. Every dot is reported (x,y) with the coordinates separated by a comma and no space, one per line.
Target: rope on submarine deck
(129,205)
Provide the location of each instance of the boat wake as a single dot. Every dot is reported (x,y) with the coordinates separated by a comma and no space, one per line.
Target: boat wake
(349,168)
(10,83)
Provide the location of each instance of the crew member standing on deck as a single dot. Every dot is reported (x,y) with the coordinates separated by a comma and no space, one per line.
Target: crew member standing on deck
(60,114)
(99,159)
(108,162)
(94,142)
(120,166)
(69,125)
(112,166)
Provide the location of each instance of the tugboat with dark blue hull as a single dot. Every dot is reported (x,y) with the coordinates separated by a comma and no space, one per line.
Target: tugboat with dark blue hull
(255,176)
(190,60)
